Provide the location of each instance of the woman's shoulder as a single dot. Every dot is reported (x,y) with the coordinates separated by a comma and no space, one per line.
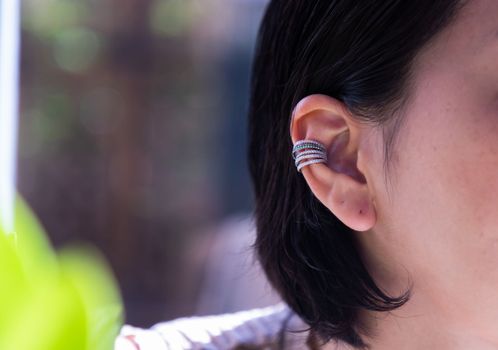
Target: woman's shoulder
(270,327)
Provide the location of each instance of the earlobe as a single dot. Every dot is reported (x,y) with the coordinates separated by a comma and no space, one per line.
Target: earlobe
(337,183)
(351,203)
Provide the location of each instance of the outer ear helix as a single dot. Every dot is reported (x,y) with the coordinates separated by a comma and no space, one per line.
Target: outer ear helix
(307,152)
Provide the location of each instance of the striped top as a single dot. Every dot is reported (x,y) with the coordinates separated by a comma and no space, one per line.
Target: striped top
(256,328)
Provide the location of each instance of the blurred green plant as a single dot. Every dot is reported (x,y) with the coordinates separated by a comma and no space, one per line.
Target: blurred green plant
(47,18)
(52,301)
(76,48)
(171,18)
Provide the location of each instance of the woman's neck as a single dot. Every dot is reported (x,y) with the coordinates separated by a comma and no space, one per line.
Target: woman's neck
(445,311)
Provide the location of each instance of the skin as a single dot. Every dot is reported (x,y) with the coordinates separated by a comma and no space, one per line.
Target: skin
(435,223)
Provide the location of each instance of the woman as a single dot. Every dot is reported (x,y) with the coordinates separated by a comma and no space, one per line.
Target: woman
(390,239)
(385,234)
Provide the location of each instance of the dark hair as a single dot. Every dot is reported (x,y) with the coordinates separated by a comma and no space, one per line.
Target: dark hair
(362,53)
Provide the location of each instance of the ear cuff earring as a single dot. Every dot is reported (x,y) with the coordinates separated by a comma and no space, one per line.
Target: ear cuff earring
(306,152)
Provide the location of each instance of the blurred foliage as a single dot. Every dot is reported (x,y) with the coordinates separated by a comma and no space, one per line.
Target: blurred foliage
(48,18)
(76,48)
(132,134)
(171,17)
(61,24)
(54,301)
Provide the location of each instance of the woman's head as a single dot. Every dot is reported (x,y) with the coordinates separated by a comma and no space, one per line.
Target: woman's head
(404,95)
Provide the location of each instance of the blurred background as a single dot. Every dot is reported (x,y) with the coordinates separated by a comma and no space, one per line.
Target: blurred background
(133,138)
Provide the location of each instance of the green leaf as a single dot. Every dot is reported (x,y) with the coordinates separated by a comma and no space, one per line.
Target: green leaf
(87,270)
(51,301)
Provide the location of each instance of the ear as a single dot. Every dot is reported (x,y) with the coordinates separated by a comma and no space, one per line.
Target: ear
(338,184)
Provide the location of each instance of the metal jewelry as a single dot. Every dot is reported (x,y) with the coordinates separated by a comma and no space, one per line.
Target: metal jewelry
(306,152)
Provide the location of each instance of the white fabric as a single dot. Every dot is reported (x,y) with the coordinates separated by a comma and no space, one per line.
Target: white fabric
(221,332)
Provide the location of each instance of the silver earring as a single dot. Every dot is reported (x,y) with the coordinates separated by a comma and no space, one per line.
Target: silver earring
(306,152)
